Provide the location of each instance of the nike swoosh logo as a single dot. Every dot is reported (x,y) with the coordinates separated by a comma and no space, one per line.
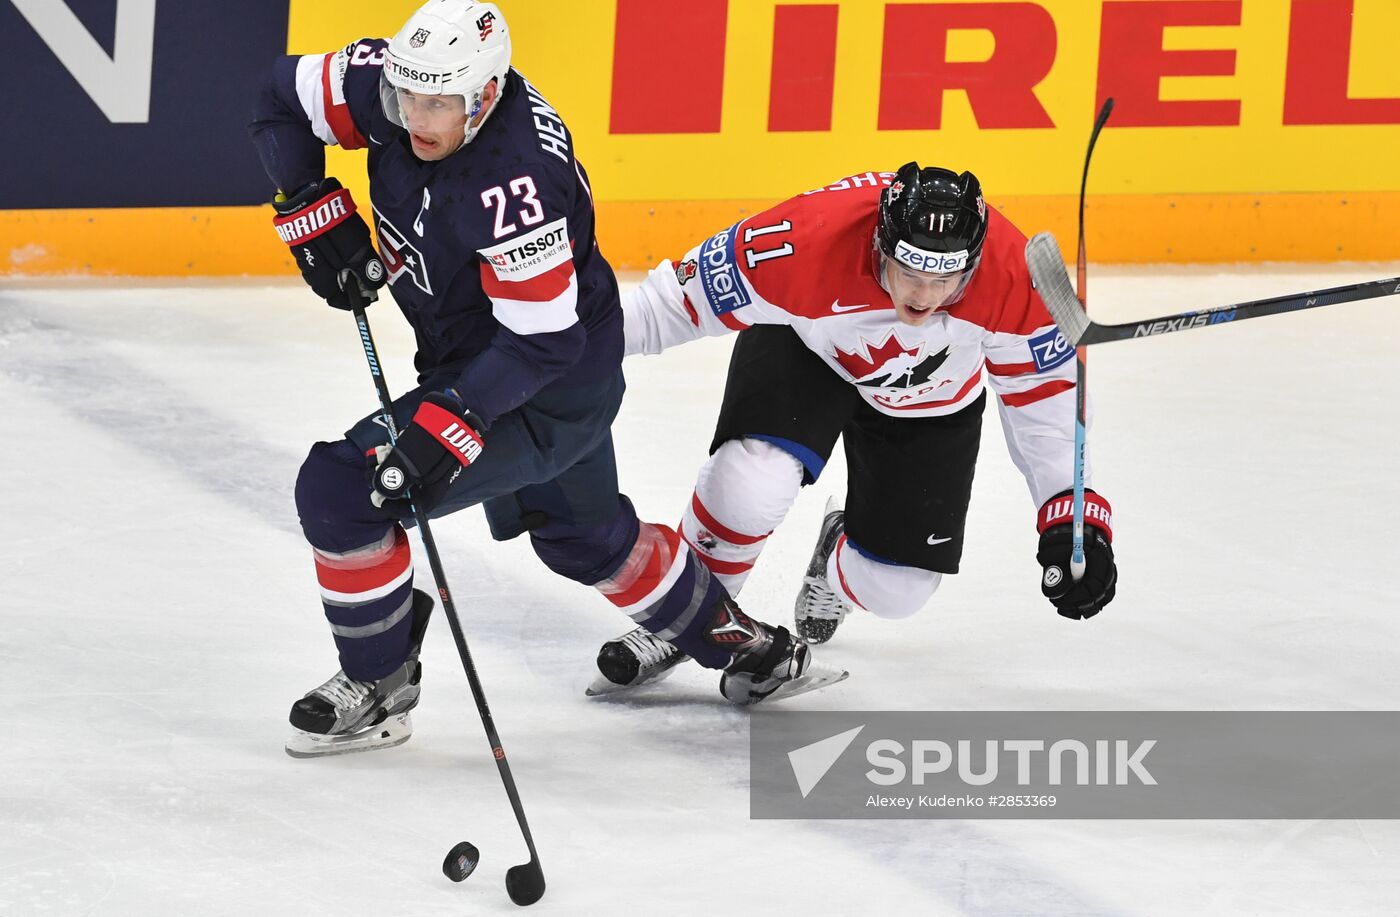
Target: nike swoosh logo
(934,539)
(374,139)
(837,307)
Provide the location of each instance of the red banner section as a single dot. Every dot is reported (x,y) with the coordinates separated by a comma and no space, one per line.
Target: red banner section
(1319,64)
(668,66)
(1132,62)
(915,71)
(668,70)
(804,67)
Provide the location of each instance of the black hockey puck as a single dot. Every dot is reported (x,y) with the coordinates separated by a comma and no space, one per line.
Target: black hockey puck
(461,861)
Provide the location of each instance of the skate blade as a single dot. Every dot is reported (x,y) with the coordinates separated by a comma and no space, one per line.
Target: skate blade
(396,730)
(814,679)
(601,686)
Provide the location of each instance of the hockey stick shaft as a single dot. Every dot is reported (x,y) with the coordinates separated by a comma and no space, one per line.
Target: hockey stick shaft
(1077,562)
(1047,267)
(359,299)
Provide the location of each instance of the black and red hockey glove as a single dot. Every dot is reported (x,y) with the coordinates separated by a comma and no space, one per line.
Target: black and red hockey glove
(1087,596)
(329,240)
(442,439)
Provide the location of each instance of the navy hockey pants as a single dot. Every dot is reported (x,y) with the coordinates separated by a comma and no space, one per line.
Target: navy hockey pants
(547,467)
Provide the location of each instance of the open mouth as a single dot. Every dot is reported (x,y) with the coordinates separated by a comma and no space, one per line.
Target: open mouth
(426,143)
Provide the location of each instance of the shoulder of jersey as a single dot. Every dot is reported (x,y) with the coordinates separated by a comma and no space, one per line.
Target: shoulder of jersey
(828,234)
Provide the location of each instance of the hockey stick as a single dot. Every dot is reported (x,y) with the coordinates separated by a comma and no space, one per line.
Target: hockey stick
(525,882)
(1048,270)
(1077,562)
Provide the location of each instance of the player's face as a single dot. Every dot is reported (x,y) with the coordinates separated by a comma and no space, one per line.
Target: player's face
(437,124)
(918,294)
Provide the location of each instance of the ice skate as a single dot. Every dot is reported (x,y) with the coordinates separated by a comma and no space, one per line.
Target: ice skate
(819,610)
(345,715)
(768,662)
(636,658)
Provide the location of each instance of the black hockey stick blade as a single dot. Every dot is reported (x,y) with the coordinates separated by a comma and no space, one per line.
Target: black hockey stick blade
(525,883)
(1051,279)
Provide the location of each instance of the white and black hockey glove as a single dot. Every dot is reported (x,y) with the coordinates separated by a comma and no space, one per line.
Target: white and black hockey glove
(329,240)
(442,439)
(1087,596)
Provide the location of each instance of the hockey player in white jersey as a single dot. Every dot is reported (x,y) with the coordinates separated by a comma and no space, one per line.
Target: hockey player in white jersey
(877,309)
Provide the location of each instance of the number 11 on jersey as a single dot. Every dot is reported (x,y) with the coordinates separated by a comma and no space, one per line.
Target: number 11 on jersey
(754,257)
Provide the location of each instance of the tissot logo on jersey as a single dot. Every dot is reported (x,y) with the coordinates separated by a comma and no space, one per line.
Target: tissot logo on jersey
(1050,349)
(719,273)
(530,255)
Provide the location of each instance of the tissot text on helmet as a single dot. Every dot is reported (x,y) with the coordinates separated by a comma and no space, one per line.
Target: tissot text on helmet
(408,73)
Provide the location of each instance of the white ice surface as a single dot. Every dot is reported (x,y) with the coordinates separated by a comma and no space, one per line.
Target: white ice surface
(158,614)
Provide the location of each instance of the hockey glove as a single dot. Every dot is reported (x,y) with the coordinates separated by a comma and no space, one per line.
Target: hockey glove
(1086,597)
(441,440)
(329,240)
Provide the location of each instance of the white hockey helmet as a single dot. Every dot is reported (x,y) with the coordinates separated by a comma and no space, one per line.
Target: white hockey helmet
(447,48)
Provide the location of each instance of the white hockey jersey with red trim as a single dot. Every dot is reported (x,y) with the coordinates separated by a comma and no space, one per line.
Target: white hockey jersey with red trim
(807,263)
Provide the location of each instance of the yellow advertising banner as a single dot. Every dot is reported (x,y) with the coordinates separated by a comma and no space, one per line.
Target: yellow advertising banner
(1243,129)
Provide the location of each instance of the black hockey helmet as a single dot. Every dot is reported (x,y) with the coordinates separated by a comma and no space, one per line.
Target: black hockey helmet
(933,220)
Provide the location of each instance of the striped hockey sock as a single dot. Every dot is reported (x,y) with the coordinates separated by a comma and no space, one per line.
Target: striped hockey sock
(664,588)
(368,597)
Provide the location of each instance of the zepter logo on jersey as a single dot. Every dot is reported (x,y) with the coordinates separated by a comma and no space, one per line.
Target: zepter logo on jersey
(719,273)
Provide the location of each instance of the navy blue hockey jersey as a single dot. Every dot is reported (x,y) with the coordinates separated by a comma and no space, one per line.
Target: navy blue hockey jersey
(490,251)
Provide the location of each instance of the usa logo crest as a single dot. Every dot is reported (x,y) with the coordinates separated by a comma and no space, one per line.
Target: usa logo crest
(401,256)
(486,24)
(419,38)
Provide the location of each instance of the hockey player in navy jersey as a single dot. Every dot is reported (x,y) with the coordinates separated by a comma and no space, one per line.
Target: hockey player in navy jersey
(486,239)
(878,309)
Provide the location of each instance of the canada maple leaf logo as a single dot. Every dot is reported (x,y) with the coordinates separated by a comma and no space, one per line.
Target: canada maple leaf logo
(860,367)
(891,364)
